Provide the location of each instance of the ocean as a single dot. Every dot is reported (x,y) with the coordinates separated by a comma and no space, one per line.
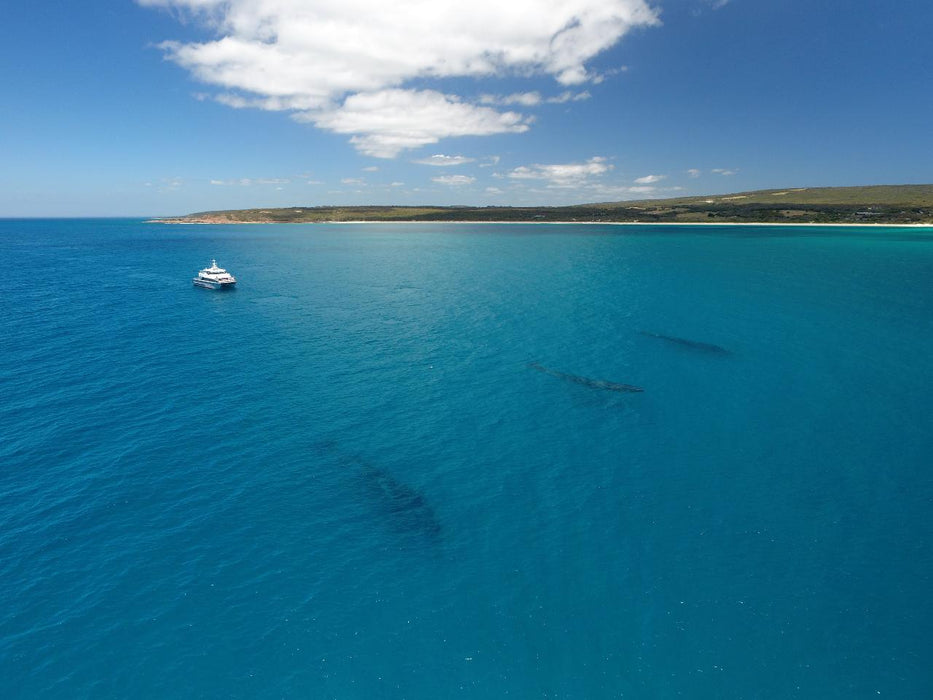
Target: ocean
(398,461)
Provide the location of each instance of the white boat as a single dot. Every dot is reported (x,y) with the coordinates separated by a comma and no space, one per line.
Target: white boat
(214,277)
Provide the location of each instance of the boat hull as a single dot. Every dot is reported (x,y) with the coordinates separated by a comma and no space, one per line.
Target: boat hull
(209,284)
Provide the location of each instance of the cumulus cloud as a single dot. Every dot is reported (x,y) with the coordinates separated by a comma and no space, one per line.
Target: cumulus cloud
(440,160)
(332,61)
(694,172)
(723,171)
(385,123)
(648,179)
(563,174)
(454,180)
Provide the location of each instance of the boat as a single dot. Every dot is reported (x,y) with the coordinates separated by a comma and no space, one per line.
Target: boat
(214,277)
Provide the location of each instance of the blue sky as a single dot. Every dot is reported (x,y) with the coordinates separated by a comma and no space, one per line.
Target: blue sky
(159,107)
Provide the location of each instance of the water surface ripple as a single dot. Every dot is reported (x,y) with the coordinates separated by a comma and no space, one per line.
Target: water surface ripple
(347,479)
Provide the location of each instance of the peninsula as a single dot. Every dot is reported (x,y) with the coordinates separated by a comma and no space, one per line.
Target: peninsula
(877,204)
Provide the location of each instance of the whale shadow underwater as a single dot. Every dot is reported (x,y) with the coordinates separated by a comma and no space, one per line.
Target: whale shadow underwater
(406,509)
(707,348)
(585,381)
(402,508)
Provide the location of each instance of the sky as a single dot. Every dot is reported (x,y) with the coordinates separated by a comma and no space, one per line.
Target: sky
(167,107)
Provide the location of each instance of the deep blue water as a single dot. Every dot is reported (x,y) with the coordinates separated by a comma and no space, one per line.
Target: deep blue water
(343,479)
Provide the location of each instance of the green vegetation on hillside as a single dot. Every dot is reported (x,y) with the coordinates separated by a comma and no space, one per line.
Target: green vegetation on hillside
(879,204)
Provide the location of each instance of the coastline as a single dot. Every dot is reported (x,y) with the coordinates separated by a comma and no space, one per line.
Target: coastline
(631,223)
(873,205)
(542,223)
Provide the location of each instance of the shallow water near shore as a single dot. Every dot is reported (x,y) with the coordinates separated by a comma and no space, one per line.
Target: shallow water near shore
(351,478)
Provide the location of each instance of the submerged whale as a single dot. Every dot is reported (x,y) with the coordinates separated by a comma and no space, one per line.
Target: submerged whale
(406,508)
(687,343)
(585,381)
(403,508)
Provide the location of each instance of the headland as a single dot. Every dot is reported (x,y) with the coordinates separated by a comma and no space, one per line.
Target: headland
(876,204)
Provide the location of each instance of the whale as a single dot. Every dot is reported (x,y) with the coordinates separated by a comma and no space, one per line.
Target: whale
(687,343)
(403,508)
(586,381)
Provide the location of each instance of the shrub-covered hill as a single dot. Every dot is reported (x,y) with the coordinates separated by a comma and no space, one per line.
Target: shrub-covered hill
(880,204)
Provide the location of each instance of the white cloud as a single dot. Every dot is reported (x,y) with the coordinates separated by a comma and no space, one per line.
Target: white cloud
(609,192)
(694,172)
(323,58)
(250,181)
(568,96)
(723,171)
(533,99)
(576,183)
(171,184)
(454,180)
(701,6)
(648,179)
(272,104)
(563,174)
(440,160)
(594,191)
(371,169)
(385,123)
(351,181)
(610,72)
(526,99)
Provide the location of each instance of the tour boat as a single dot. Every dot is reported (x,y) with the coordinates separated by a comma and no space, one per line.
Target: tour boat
(214,277)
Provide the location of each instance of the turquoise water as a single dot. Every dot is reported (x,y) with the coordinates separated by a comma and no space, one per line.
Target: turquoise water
(344,479)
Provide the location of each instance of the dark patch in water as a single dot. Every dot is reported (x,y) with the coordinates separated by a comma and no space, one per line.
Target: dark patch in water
(403,508)
(406,508)
(585,381)
(692,344)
